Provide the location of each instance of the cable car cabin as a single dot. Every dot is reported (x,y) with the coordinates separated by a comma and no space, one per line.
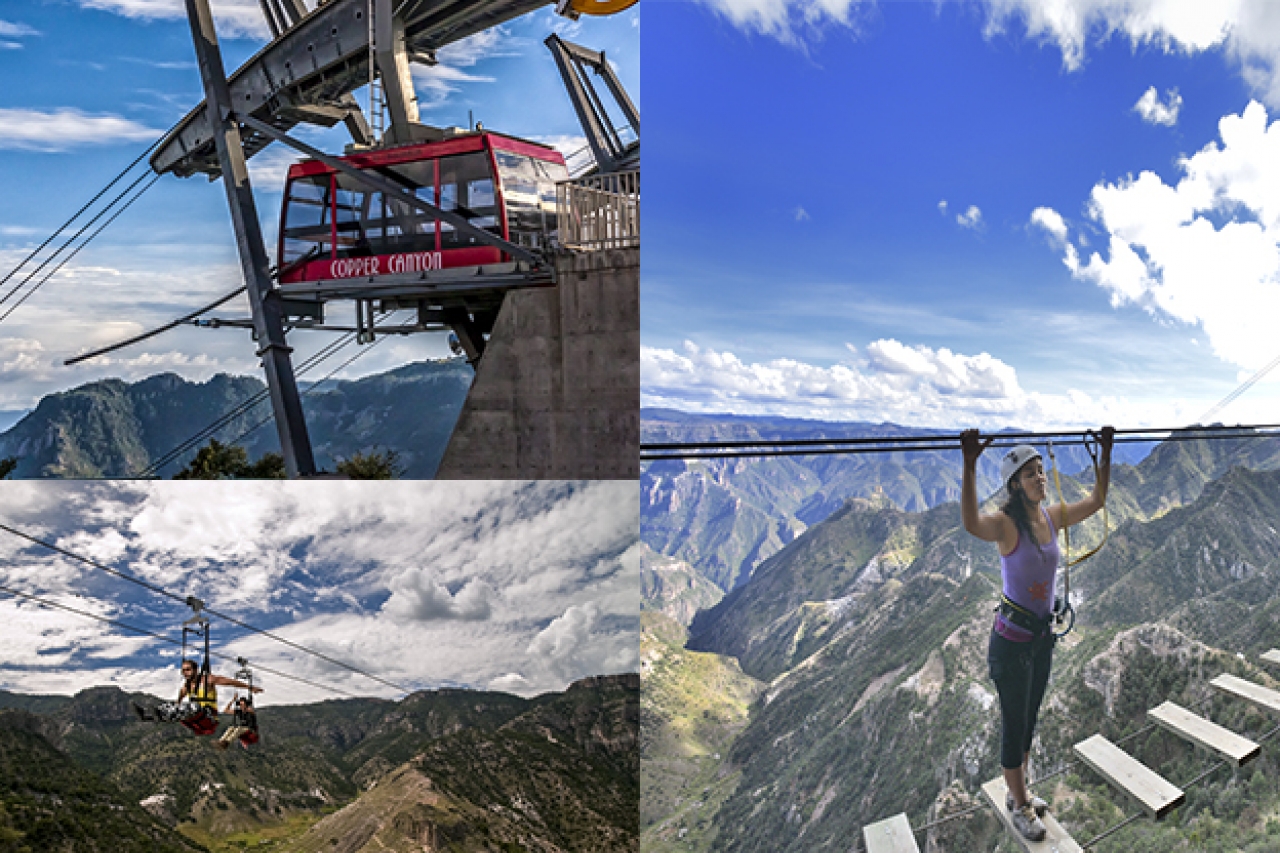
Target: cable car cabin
(333,227)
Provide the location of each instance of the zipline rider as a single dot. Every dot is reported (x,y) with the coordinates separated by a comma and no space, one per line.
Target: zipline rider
(197,705)
(1021,647)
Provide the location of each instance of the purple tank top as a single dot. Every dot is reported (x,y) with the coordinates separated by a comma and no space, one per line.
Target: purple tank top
(1030,573)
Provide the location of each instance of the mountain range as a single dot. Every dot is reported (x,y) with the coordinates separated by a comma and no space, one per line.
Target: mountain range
(438,770)
(843,680)
(114,428)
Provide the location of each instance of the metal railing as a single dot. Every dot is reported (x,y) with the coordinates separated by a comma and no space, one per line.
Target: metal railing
(600,211)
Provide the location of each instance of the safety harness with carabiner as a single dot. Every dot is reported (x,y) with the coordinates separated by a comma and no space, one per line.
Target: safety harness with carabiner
(1064,614)
(205,722)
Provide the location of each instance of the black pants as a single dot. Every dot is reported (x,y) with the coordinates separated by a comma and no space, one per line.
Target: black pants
(1021,674)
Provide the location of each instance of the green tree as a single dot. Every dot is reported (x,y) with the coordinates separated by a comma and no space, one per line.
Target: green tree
(218,461)
(384,465)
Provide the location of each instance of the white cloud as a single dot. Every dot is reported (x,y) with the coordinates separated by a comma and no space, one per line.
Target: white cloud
(417,596)
(942,207)
(436,83)
(269,168)
(13,30)
(566,144)
(888,381)
(67,128)
(1154,111)
(501,586)
(971,218)
(1204,250)
(233,18)
(788,21)
(1052,223)
(1248,31)
(801,215)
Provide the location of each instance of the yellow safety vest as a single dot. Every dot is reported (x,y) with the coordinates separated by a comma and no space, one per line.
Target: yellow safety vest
(198,695)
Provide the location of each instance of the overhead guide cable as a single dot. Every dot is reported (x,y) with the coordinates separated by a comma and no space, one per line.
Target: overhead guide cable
(53,604)
(184,600)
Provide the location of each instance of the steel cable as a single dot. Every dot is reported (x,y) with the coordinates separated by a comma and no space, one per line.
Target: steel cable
(46,603)
(89,561)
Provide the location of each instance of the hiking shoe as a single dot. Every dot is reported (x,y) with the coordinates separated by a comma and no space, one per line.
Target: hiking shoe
(1036,803)
(1026,822)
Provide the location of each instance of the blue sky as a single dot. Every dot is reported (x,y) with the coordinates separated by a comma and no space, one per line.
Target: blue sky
(520,587)
(891,210)
(90,83)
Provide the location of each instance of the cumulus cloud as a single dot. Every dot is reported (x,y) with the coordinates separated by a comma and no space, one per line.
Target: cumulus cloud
(971,218)
(417,596)
(887,381)
(789,21)
(58,130)
(801,215)
(1248,31)
(1154,111)
(1204,250)
(1051,222)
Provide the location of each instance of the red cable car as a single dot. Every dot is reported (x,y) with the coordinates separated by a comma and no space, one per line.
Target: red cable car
(333,227)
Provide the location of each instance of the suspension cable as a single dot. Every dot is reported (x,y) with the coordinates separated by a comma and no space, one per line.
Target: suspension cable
(31,291)
(241,409)
(79,212)
(89,561)
(269,418)
(53,604)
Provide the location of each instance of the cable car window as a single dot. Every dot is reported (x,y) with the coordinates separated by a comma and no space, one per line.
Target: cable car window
(368,223)
(529,190)
(306,219)
(466,187)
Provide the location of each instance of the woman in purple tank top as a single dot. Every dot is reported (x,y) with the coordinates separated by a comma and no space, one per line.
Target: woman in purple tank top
(1021,647)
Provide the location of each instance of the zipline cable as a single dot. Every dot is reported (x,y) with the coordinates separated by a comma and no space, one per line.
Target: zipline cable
(89,561)
(47,603)
(1240,389)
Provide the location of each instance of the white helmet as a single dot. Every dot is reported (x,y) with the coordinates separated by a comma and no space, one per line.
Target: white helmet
(1013,461)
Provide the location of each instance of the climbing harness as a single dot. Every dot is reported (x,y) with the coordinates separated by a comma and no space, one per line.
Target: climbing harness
(248,717)
(200,691)
(1064,614)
